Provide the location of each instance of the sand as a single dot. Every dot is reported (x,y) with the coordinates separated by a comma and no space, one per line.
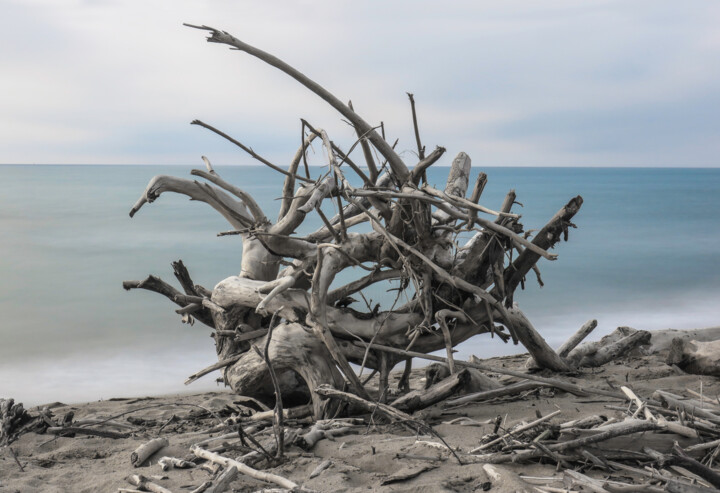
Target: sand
(363,461)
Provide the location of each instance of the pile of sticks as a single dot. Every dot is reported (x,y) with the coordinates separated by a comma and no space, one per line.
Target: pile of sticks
(641,452)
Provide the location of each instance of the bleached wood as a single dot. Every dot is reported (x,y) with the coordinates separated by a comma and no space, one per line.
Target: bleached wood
(244,469)
(144,451)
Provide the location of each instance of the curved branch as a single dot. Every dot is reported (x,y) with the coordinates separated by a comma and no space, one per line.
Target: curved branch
(289,184)
(317,318)
(360,284)
(246,198)
(295,305)
(396,164)
(546,238)
(232,210)
(372,168)
(425,163)
(247,149)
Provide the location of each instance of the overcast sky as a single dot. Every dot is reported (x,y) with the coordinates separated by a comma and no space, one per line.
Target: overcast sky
(588,83)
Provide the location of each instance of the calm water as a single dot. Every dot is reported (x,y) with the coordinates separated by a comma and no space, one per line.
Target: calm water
(645,254)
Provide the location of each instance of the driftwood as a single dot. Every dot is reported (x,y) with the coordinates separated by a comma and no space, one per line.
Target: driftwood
(326,429)
(167,463)
(420,399)
(477,382)
(698,358)
(13,418)
(568,345)
(223,481)
(244,469)
(393,230)
(145,484)
(144,451)
(610,347)
(461,290)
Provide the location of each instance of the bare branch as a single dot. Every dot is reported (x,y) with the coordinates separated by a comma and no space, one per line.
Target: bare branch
(398,167)
(248,150)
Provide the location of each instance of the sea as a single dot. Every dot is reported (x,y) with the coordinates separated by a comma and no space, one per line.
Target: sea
(645,254)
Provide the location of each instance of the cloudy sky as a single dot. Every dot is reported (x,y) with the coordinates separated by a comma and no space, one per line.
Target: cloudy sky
(589,83)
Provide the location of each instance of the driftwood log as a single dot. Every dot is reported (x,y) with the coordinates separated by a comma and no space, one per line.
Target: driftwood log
(446,290)
(699,358)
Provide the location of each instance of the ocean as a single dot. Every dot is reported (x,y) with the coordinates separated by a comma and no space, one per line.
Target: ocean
(645,254)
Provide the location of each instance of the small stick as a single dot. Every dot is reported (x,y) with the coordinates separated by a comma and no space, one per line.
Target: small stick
(320,468)
(388,411)
(372,168)
(638,402)
(202,487)
(215,366)
(554,382)
(221,483)
(12,452)
(250,151)
(544,449)
(513,432)
(67,430)
(278,421)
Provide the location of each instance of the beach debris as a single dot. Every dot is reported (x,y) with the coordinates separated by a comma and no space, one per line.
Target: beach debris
(696,357)
(14,419)
(406,473)
(453,290)
(77,430)
(320,468)
(202,487)
(144,484)
(167,463)
(222,483)
(244,469)
(146,450)
(291,324)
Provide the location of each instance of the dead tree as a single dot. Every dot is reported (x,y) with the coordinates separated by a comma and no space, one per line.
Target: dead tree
(457,291)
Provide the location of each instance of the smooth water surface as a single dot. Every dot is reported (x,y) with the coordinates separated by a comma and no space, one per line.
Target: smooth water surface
(645,254)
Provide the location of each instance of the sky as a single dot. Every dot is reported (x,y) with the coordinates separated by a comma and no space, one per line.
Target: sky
(511,83)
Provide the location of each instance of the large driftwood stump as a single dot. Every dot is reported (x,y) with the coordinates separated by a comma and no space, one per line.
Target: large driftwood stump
(698,358)
(456,289)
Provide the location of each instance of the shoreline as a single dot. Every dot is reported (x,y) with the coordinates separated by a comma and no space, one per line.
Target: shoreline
(372,457)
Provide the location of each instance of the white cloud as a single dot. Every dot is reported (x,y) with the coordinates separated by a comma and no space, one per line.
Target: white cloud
(119,73)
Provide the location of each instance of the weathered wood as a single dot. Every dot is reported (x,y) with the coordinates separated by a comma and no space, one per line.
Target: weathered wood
(167,463)
(12,418)
(513,389)
(222,483)
(420,399)
(543,354)
(588,349)
(515,431)
(145,484)
(568,345)
(144,451)
(546,238)
(292,348)
(576,338)
(416,235)
(372,407)
(689,406)
(698,358)
(613,351)
(244,469)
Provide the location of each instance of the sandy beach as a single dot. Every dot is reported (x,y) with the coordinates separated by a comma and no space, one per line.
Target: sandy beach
(372,456)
